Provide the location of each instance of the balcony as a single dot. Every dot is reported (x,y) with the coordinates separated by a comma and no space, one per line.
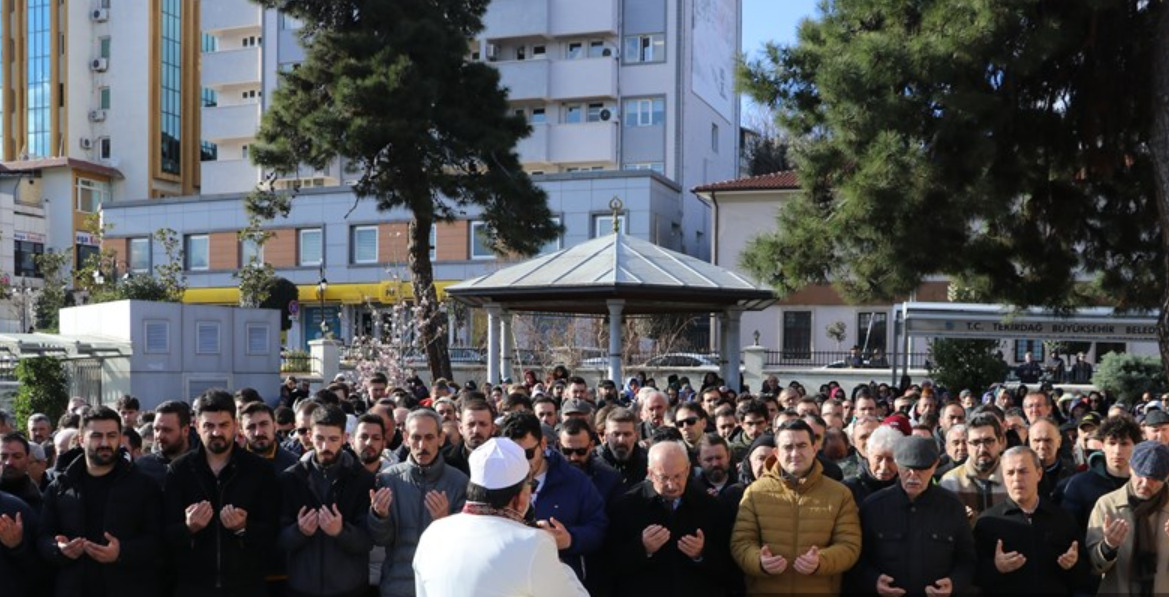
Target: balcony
(222,123)
(524,79)
(222,15)
(517,18)
(583,78)
(573,17)
(534,149)
(231,67)
(228,176)
(588,142)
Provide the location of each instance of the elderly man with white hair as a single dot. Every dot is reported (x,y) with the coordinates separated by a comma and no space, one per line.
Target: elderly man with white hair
(878,470)
(652,405)
(667,535)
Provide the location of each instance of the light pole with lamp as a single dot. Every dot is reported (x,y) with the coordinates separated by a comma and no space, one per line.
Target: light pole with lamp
(322,286)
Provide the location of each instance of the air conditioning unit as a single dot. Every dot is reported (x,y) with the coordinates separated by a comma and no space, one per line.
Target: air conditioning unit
(86,143)
(606,115)
(607,52)
(100,15)
(99,65)
(97,115)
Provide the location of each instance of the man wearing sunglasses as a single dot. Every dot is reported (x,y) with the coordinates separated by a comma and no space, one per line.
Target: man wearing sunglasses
(577,445)
(565,502)
(690,420)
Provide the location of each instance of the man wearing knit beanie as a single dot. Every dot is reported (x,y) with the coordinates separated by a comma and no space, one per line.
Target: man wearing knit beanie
(1128,533)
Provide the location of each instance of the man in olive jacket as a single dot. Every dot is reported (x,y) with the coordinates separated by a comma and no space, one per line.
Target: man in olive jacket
(323,523)
(797,531)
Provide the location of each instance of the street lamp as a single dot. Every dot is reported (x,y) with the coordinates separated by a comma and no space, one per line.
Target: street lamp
(322,286)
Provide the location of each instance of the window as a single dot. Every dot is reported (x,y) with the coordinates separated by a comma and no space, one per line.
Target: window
(645,48)
(364,244)
(871,332)
(797,334)
(86,253)
(553,245)
(171,97)
(257,338)
(103,148)
(714,137)
(1035,347)
(138,255)
(596,49)
(658,167)
(539,51)
(572,113)
(208,151)
(594,112)
(38,74)
(290,23)
(311,246)
(521,53)
(198,252)
(91,194)
(207,337)
(103,47)
(103,98)
(24,262)
(645,112)
(157,334)
(249,251)
(209,97)
(538,116)
(603,224)
(481,241)
(210,43)
(433,243)
(243,152)
(575,50)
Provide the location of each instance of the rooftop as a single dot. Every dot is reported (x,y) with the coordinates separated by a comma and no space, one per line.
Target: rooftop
(776,181)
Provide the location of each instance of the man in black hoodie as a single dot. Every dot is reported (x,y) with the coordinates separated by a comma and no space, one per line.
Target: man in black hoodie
(221,508)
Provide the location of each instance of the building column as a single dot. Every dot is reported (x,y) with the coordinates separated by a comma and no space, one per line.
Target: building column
(507,337)
(616,319)
(731,326)
(493,316)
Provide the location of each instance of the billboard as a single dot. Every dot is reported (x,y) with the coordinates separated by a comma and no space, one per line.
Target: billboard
(713,54)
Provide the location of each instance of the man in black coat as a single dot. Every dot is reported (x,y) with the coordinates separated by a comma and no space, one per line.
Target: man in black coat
(619,448)
(221,508)
(18,550)
(1027,544)
(667,535)
(100,527)
(916,534)
(323,523)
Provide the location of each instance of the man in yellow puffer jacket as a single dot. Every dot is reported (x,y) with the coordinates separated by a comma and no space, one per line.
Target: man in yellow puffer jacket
(797,531)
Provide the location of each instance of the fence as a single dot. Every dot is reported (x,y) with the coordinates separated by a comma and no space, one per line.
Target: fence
(837,360)
(85,378)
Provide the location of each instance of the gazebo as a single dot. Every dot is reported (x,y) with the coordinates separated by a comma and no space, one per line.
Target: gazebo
(614,275)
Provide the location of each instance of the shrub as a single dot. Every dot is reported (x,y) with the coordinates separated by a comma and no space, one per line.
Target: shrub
(44,388)
(966,364)
(1127,376)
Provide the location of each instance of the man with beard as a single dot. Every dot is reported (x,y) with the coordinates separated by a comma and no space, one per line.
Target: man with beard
(100,524)
(917,540)
(715,474)
(18,551)
(577,445)
(880,468)
(753,422)
(323,520)
(1108,470)
(14,477)
(221,508)
(1044,438)
(654,404)
(368,441)
(301,440)
(396,449)
(172,427)
(477,425)
(1127,531)
(979,481)
(40,428)
(620,449)
(260,436)
(410,496)
(956,450)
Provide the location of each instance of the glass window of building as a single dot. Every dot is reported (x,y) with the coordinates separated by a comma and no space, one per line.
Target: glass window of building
(797,334)
(481,241)
(171,99)
(603,225)
(574,51)
(91,194)
(38,67)
(434,242)
(573,113)
(645,48)
(645,112)
(249,251)
(555,244)
(198,252)
(138,257)
(538,116)
(596,48)
(103,98)
(364,244)
(311,246)
(594,112)
(103,47)
(24,261)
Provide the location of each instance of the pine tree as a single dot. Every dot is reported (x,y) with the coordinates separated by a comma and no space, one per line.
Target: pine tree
(1014,144)
(387,86)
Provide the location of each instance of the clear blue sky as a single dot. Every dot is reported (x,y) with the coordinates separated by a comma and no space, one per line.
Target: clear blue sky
(771,20)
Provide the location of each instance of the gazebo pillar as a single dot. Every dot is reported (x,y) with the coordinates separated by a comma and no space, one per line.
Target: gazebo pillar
(732,345)
(508,338)
(616,318)
(493,316)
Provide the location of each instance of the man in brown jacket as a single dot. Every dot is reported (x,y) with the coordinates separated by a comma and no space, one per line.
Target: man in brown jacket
(797,531)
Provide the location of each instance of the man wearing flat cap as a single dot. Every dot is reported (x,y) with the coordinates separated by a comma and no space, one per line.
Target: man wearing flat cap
(1155,426)
(916,536)
(1128,532)
(488,549)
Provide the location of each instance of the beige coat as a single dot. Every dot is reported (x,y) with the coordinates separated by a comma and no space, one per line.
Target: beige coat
(1116,581)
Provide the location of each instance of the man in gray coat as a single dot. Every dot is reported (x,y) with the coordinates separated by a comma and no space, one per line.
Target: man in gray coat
(411,495)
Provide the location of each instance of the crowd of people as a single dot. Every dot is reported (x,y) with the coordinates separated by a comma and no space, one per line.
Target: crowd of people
(551,486)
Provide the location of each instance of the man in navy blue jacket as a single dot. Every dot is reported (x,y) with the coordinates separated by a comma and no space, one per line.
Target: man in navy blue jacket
(565,503)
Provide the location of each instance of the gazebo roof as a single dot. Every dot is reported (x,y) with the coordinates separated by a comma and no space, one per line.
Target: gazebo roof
(651,279)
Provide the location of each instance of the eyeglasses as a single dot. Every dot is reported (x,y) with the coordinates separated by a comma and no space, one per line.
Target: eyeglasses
(530,453)
(302,430)
(687,422)
(574,451)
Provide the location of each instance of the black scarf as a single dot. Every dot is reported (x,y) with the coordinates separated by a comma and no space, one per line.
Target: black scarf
(1143,568)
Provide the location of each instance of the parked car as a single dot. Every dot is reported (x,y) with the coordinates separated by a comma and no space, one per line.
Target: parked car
(682,359)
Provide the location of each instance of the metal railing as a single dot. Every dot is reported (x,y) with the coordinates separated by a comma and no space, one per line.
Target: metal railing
(834,359)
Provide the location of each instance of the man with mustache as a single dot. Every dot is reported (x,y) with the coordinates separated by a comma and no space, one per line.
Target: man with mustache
(99,527)
(477,425)
(620,448)
(259,425)
(979,481)
(410,495)
(323,516)
(172,438)
(368,442)
(220,508)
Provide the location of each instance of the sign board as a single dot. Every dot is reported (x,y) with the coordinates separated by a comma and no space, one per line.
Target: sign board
(1094,324)
(294,307)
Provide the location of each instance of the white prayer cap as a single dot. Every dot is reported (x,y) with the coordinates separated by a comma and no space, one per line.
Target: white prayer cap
(498,464)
